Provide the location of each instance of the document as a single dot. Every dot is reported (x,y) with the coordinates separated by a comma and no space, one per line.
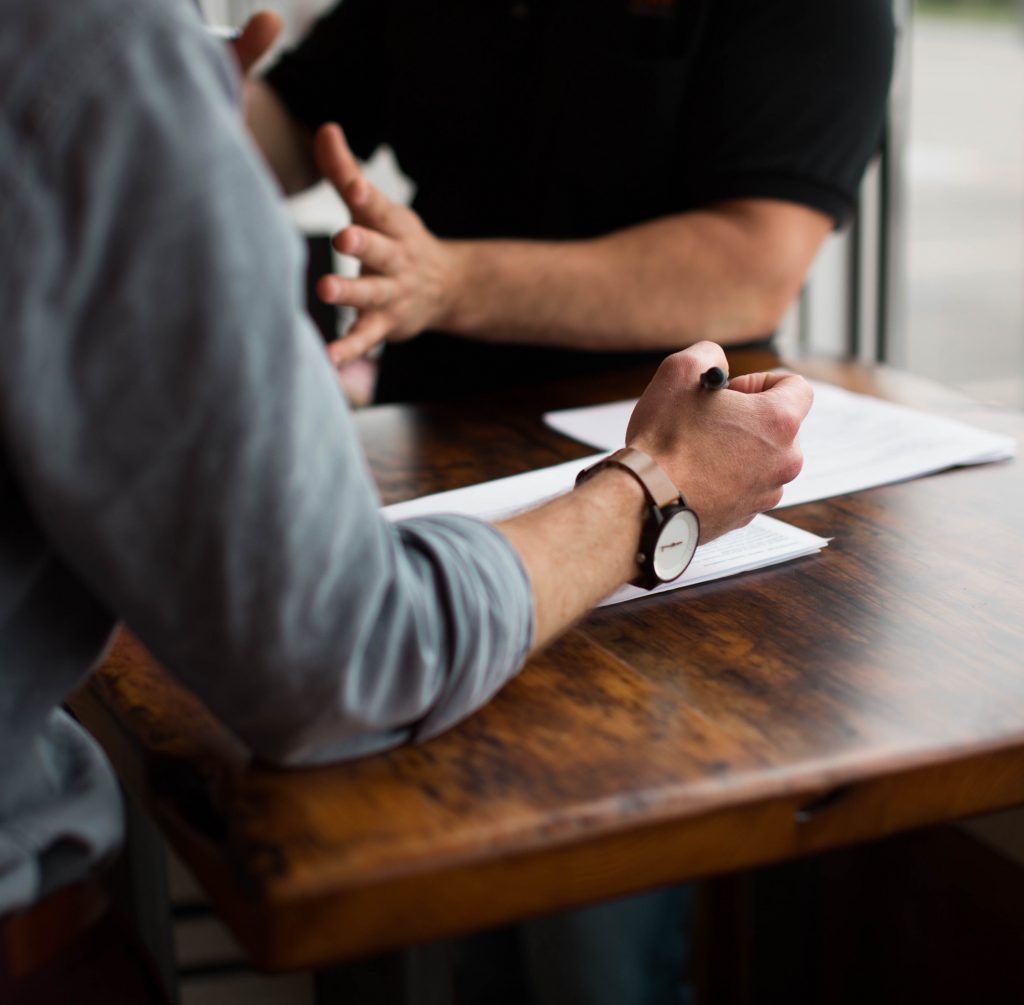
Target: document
(764,542)
(850,441)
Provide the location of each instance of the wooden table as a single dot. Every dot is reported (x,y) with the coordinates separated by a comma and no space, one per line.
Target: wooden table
(875,687)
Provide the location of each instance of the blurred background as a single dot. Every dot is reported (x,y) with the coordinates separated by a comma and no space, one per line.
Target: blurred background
(965,196)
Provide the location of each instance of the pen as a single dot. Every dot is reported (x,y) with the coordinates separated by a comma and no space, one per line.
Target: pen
(714,379)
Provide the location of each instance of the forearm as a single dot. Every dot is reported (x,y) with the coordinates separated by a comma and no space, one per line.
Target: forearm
(726,274)
(578,549)
(286,146)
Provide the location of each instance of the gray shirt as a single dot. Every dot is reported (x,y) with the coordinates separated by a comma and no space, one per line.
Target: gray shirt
(175,451)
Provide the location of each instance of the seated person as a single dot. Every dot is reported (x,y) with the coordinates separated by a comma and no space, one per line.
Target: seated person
(596,182)
(176,454)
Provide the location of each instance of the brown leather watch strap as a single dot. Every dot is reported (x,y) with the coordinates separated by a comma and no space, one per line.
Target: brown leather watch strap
(648,473)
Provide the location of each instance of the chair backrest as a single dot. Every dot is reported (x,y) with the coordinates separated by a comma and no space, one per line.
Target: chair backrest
(853,304)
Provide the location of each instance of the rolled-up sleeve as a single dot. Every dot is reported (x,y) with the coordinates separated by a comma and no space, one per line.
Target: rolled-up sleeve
(182,438)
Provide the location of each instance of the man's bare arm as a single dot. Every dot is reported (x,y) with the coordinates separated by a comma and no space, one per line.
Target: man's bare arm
(287,146)
(729,452)
(578,549)
(725,272)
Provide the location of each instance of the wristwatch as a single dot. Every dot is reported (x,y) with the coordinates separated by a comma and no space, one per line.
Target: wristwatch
(671,529)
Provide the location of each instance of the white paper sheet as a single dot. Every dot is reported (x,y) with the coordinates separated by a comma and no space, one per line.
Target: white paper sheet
(764,542)
(850,441)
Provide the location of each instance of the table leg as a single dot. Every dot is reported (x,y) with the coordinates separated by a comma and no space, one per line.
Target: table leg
(139,887)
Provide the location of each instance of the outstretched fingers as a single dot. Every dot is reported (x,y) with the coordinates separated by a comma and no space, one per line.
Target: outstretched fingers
(369,330)
(372,208)
(375,251)
(334,158)
(362,293)
(367,204)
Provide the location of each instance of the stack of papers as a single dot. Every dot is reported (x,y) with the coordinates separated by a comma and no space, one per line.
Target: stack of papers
(850,442)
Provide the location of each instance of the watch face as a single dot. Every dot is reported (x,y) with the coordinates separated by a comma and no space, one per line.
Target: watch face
(676,544)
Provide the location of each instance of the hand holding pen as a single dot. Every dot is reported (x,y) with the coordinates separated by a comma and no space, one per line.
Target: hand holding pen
(728,454)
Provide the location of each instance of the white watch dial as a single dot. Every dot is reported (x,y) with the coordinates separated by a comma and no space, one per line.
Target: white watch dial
(676,545)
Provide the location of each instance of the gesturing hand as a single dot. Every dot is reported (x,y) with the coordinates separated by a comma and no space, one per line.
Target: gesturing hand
(728,451)
(406,275)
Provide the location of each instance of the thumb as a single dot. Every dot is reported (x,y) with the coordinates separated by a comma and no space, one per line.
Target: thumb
(261,31)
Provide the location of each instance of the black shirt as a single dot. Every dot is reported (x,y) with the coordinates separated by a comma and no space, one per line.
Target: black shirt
(551,119)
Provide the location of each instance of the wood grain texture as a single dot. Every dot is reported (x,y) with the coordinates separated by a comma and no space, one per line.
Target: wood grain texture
(872,688)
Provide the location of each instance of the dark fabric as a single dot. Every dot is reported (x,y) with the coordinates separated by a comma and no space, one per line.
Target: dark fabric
(438,367)
(571,118)
(458,367)
(558,119)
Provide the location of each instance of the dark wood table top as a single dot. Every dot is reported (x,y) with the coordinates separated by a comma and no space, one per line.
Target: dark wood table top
(874,687)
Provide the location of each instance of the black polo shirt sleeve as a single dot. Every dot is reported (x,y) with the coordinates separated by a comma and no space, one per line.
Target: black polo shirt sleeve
(339,73)
(789,102)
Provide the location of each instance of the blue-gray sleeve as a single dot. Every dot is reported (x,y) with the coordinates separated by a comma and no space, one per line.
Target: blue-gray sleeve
(183,439)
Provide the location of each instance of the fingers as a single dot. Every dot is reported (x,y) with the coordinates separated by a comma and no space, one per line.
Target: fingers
(680,373)
(260,33)
(334,158)
(754,383)
(364,293)
(785,390)
(375,251)
(790,391)
(368,330)
(688,364)
(750,383)
(368,205)
(372,208)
